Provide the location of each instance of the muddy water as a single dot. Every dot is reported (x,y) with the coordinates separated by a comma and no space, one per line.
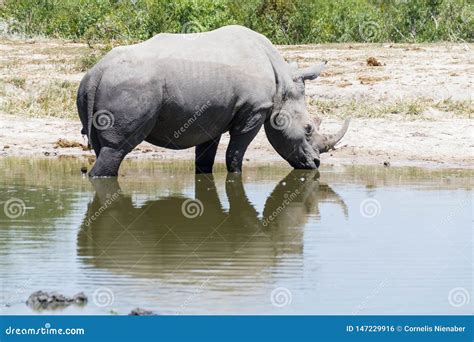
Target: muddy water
(346,240)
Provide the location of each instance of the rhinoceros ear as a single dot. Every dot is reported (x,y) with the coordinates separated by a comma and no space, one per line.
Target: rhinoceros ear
(293,66)
(309,73)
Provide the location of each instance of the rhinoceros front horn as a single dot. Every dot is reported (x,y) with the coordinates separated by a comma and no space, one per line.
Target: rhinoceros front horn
(330,140)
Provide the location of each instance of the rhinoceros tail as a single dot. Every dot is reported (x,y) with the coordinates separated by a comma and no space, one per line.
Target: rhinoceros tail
(91,92)
(90,111)
(81,102)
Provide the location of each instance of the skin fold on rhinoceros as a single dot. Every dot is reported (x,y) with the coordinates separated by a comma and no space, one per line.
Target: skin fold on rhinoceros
(183,90)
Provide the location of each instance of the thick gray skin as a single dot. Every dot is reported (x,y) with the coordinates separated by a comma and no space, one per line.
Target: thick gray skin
(184,90)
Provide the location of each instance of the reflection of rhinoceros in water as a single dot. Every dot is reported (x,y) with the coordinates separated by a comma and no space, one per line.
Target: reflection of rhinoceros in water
(198,237)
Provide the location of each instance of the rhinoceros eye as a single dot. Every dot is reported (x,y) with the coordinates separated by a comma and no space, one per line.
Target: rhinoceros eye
(308,129)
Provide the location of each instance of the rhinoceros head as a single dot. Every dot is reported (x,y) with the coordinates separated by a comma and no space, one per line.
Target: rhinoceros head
(291,130)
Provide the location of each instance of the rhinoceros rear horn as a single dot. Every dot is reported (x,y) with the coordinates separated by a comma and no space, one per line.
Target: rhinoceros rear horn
(309,73)
(332,139)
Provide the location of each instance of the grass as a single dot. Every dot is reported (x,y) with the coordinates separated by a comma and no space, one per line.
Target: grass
(84,63)
(57,98)
(462,108)
(47,87)
(18,82)
(93,55)
(412,109)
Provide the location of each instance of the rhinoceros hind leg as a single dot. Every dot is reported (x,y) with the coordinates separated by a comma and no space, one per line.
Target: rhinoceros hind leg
(205,155)
(115,144)
(107,163)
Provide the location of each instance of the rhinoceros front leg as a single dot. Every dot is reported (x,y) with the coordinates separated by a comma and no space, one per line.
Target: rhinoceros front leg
(240,139)
(205,155)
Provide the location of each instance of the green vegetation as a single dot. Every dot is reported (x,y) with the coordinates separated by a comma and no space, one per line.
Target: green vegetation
(283,21)
(88,60)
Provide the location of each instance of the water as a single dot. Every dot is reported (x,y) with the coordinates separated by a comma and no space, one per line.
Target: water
(356,240)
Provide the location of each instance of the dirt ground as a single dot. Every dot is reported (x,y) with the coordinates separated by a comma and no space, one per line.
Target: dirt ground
(415,109)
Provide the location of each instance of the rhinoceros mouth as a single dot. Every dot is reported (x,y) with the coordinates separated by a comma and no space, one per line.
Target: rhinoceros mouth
(310,165)
(306,161)
(306,158)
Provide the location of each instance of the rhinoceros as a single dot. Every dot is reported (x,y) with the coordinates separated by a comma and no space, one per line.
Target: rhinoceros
(183,90)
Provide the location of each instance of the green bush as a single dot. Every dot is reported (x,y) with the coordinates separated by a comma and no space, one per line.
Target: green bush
(283,21)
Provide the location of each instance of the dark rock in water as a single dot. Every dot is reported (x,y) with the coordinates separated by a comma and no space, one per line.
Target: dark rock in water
(141,312)
(386,163)
(40,300)
(80,298)
(83,169)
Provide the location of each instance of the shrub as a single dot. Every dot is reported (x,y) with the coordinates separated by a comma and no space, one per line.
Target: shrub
(283,21)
